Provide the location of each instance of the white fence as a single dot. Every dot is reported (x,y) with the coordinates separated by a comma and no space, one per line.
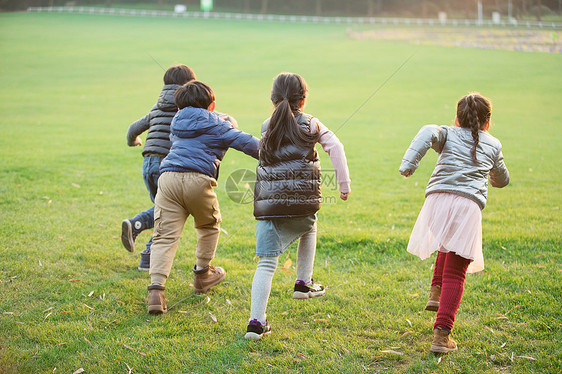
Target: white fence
(299,19)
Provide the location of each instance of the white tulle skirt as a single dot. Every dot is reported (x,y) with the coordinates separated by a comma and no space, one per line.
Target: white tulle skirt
(449,223)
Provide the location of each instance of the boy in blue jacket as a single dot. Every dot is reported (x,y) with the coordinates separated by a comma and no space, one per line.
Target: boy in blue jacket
(200,139)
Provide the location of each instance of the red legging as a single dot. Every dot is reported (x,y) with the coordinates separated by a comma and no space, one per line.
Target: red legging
(449,273)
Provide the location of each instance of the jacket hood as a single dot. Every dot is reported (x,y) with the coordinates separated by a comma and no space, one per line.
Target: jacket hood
(192,122)
(166,101)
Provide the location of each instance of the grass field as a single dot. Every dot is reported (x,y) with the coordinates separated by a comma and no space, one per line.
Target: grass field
(71,297)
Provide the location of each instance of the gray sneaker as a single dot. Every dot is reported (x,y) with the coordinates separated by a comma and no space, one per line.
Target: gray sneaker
(144,264)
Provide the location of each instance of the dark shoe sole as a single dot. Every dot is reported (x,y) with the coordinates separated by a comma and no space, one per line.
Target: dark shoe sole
(432,306)
(127,236)
(207,288)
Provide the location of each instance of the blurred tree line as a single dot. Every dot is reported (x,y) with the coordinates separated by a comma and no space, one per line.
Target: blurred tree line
(370,8)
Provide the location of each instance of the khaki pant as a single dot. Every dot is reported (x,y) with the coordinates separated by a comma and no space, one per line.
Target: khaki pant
(180,195)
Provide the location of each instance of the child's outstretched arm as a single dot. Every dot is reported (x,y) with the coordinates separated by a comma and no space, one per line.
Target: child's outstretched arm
(135,129)
(239,140)
(499,175)
(430,136)
(332,145)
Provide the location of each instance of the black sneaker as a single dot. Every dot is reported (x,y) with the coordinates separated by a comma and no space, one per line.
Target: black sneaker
(144,261)
(256,330)
(129,232)
(306,291)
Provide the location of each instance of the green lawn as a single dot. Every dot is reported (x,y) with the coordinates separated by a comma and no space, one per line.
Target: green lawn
(71,297)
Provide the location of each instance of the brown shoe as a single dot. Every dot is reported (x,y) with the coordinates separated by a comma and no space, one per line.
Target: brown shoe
(442,343)
(156,299)
(434,296)
(207,277)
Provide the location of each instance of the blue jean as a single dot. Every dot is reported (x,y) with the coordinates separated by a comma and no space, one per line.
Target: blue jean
(150,174)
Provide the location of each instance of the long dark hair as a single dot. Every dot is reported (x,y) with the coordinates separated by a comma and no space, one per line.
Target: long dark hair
(474,112)
(287,94)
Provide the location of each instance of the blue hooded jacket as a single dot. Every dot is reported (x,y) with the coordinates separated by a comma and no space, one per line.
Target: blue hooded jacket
(200,140)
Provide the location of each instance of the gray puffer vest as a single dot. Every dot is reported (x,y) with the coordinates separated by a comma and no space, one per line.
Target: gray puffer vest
(157,122)
(290,185)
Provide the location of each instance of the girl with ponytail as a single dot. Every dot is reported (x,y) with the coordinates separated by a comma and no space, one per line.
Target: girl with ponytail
(287,193)
(450,220)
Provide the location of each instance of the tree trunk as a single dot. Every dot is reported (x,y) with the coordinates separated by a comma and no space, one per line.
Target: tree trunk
(264,6)
(318,8)
(160,4)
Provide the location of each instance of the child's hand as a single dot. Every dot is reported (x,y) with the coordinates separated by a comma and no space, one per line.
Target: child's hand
(406,173)
(344,195)
(137,142)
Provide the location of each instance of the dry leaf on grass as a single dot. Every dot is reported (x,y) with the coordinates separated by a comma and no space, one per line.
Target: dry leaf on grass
(75,185)
(528,358)
(134,350)
(439,360)
(393,352)
(213,317)
(47,316)
(409,323)
(407,333)
(288,263)
(322,320)
(87,341)
(46,310)
(345,350)
(91,293)
(74,280)
(81,370)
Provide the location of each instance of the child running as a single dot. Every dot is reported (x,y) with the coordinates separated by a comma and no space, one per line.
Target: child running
(450,220)
(287,193)
(200,139)
(157,146)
